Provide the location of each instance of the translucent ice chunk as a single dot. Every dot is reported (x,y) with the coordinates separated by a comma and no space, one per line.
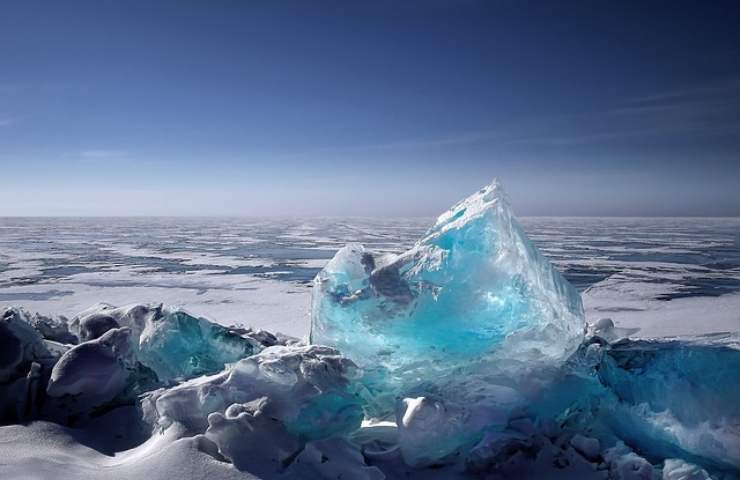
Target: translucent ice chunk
(676,398)
(179,345)
(172,343)
(473,290)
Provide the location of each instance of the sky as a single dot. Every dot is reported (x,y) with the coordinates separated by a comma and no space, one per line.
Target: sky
(374,108)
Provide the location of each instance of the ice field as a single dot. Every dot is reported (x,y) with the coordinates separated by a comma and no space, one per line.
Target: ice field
(257,272)
(472,346)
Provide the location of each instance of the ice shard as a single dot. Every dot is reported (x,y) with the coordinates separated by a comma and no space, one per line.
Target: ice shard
(473,290)
(170,342)
(676,398)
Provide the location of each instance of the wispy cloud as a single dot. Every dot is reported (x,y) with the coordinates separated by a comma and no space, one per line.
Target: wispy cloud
(6,121)
(703,111)
(460,138)
(720,89)
(102,154)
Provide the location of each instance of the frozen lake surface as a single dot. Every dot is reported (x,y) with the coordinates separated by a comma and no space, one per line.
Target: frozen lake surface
(655,276)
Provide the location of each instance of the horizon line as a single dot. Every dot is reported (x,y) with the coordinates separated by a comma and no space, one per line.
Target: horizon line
(378,217)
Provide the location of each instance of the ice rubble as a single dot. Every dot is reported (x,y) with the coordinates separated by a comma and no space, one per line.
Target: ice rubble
(109,356)
(472,363)
(295,411)
(307,388)
(279,408)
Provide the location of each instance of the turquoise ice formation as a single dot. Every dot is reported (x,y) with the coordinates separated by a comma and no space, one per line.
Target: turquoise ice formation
(473,324)
(667,398)
(473,290)
(172,343)
(180,345)
(675,398)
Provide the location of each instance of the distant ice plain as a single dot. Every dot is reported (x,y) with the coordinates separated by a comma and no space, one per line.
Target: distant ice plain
(654,276)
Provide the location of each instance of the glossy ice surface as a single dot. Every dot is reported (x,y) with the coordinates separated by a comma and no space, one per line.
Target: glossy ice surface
(676,398)
(473,289)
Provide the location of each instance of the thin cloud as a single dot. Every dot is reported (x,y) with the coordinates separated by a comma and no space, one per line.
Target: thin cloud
(704,111)
(720,90)
(461,138)
(102,154)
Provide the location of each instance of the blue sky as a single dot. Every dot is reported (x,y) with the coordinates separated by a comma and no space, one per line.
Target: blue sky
(368,108)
